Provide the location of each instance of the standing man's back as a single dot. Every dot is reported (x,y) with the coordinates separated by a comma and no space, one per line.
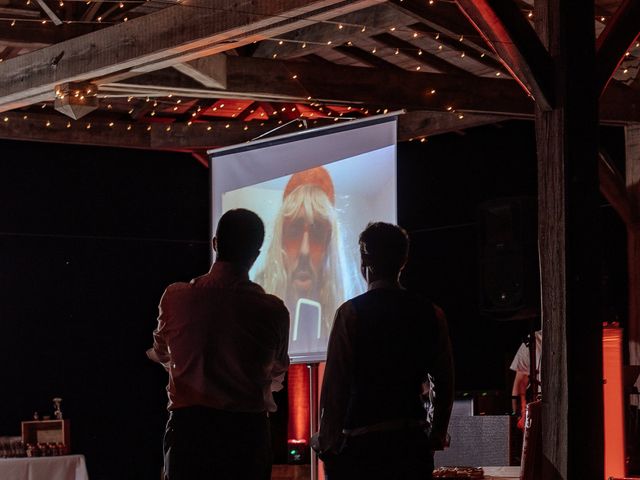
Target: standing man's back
(383,348)
(224,343)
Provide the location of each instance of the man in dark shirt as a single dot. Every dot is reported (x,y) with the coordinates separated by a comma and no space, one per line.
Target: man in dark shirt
(223,341)
(383,348)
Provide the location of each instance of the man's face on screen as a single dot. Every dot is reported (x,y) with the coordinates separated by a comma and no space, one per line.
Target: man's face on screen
(305,240)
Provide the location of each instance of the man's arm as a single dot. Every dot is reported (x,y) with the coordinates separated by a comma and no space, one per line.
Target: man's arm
(519,389)
(281,363)
(160,351)
(442,373)
(336,383)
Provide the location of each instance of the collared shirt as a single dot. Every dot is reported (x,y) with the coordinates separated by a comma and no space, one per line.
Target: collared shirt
(223,341)
(521,360)
(337,382)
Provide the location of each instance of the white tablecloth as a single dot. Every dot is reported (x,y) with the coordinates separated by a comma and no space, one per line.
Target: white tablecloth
(66,467)
(502,473)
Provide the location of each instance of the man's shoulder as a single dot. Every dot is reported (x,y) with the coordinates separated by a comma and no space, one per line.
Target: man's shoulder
(176,287)
(268,300)
(395,295)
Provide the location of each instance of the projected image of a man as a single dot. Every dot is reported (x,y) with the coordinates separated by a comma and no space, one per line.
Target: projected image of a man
(302,262)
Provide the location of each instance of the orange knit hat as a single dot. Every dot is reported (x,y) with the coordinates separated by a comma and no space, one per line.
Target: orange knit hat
(317,176)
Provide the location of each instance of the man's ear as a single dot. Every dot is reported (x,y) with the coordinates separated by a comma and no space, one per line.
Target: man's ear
(214,242)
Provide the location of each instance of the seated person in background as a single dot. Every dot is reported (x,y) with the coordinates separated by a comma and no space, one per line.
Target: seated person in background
(521,365)
(383,345)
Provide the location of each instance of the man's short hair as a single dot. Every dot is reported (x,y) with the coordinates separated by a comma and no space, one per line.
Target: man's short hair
(384,247)
(240,234)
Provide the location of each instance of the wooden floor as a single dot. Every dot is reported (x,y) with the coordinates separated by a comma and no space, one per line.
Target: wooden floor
(301,472)
(290,472)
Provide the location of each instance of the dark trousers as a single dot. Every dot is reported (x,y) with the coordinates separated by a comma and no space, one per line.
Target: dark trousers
(392,455)
(207,444)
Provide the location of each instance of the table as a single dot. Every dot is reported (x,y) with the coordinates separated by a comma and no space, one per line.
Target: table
(501,473)
(66,467)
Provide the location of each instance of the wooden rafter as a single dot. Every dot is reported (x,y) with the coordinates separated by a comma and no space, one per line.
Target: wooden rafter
(465,46)
(181,136)
(425,58)
(36,35)
(365,57)
(272,80)
(91,11)
(50,13)
(612,44)
(247,111)
(441,17)
(375,19)
(613,188)
(173,35)
(420,124)
(508,32)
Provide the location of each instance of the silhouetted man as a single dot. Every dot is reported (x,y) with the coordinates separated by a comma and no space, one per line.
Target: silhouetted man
(383,347)
(223,341)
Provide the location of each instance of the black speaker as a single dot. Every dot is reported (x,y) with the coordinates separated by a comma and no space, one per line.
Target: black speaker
(508,256)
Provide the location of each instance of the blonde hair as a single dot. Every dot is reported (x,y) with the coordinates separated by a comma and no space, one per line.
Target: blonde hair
(312,201)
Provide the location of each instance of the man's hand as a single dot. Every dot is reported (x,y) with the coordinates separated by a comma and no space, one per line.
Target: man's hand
(438,441)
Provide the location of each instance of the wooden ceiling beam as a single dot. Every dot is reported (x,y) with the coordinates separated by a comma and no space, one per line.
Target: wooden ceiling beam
(612,186)
(375,19)
(9,52)
(469,48)
(198,136)
(36,35)
(210,72)
(428,59)
(273,80)
(441,17)
(615,40)
(511,36)
(91,12)
(173,35)
(50,13)
(367,58)
(419,124)
(247,111)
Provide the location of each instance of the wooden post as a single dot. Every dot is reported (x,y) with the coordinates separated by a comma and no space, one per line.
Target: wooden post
(572,415)
(632,144)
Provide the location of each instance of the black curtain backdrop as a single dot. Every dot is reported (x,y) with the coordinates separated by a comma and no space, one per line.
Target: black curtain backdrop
(90,237)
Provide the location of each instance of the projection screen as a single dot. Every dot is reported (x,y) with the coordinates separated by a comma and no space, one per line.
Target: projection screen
(315,190)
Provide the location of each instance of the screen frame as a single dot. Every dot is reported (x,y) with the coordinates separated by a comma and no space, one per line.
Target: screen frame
(216,190)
